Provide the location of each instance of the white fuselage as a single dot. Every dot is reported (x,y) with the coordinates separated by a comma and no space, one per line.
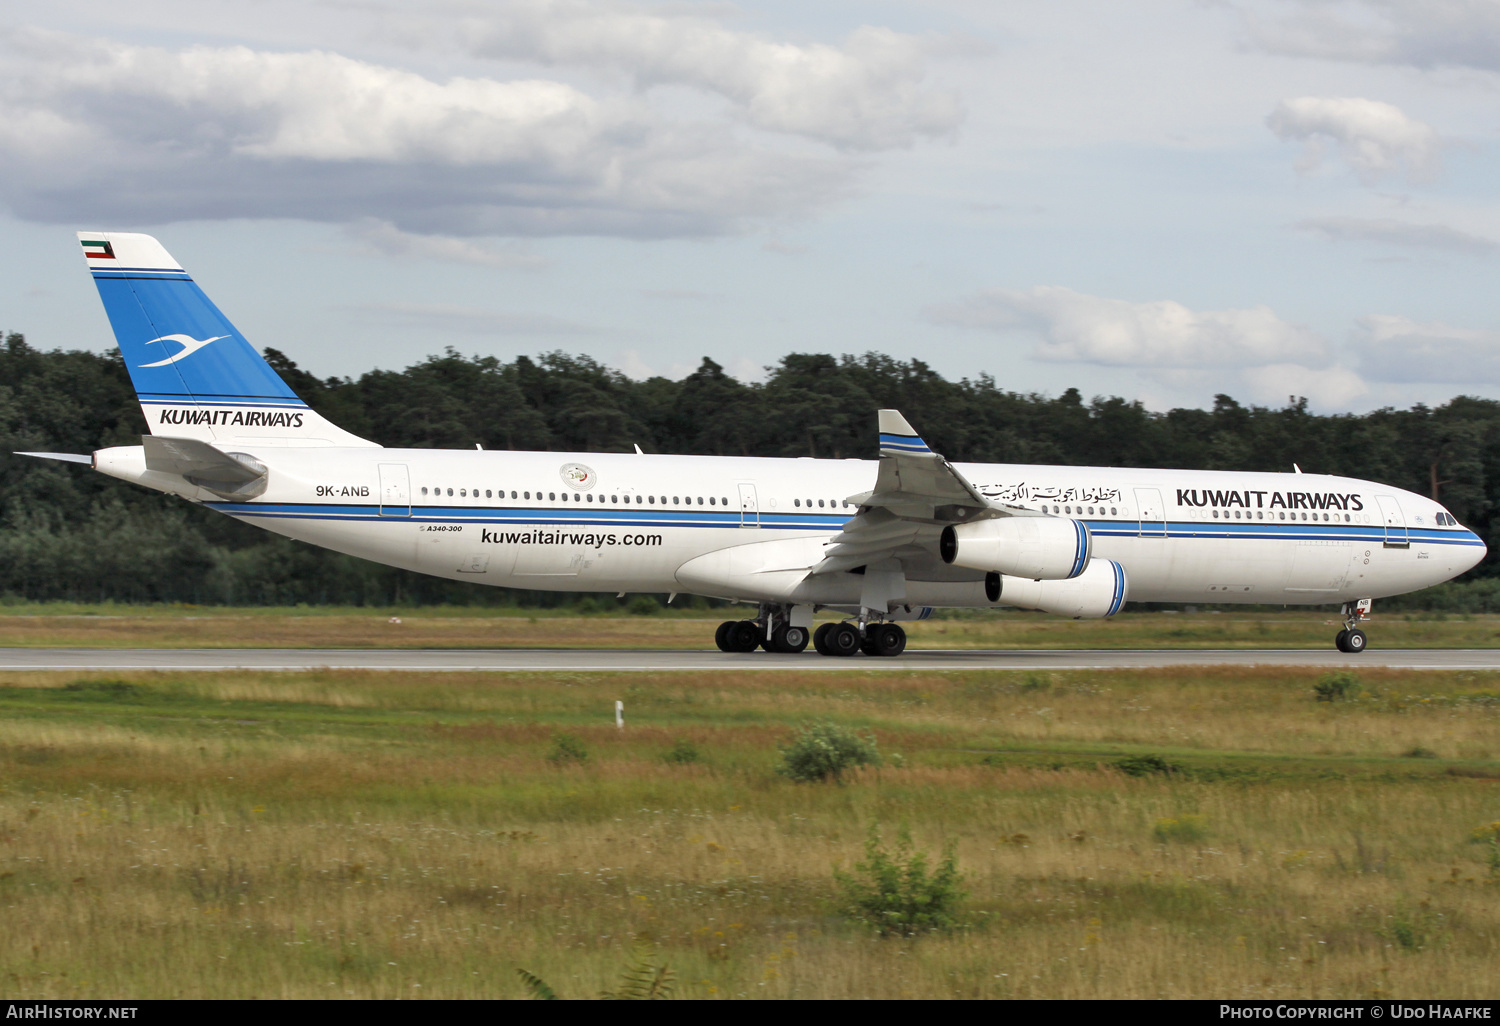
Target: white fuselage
(629,523)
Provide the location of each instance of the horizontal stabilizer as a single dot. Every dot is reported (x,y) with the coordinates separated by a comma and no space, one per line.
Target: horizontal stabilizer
(66,457)
(233,475)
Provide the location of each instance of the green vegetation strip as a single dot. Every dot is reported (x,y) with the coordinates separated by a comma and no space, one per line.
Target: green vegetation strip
(1167,833)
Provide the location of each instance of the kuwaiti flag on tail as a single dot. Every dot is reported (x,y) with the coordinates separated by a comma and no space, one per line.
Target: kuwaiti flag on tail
(195,375)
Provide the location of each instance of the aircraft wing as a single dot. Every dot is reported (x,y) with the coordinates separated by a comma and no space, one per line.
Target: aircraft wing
(917,493)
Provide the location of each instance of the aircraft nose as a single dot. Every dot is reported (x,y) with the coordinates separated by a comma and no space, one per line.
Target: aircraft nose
(1467,557)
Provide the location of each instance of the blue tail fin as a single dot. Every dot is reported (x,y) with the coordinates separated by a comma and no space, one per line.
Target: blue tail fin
(194,373)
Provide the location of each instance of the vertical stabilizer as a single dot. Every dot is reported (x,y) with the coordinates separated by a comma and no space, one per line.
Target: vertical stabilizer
(194,373)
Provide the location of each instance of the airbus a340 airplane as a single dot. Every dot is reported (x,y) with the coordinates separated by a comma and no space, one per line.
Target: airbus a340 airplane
(880,542)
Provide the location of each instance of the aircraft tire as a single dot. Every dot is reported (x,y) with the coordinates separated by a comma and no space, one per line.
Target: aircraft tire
(843,639)
(1356,641)
(744,636)
(721,636)
(820,639)
(1341,640)
(889,640)
(867,643)
(789,640)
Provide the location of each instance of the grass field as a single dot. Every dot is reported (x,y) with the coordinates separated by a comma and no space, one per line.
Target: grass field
(217,627)
(388,835)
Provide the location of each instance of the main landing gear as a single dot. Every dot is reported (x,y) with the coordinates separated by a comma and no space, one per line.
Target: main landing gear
(773,631)
(1351,639)
(844,639)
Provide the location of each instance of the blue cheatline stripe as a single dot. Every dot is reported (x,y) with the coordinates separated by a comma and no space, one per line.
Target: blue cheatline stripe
(903,443)
(510,517)
(1119,596)
(184,398)
(1370,533)
(596,517)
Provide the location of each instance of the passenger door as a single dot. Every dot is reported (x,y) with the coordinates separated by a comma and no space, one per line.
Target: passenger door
(395,490)
(1152,519)
(749,506)
(1395,522)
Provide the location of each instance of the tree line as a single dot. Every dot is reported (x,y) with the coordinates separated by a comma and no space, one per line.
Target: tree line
(74,535)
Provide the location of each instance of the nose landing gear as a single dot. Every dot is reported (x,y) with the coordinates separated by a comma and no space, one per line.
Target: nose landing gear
(1351,639)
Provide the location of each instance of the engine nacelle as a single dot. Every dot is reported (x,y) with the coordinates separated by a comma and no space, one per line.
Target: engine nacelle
(1097,592)
(1039,548)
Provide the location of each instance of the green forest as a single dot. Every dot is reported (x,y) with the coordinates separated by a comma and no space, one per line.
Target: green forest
(70,534)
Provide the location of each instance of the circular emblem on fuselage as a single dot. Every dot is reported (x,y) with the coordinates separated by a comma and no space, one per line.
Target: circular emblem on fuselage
(576,475)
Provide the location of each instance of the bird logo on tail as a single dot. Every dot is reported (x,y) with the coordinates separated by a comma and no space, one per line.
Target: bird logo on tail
(189,345)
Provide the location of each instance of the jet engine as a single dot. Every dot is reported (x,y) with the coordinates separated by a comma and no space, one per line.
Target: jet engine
(1038,548)
(1097,592)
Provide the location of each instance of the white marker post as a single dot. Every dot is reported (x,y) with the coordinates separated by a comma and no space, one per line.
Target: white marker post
(620,714)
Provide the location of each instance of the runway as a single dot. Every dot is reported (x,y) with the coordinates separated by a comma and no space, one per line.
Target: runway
(661,661)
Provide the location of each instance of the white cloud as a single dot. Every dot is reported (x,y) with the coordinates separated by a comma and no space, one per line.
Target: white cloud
(1374,138)
(1325,387)
(1078,328)
(373,237)
(1398,349)
(1422,33)
(111,132)
(866,94)
(1396,233)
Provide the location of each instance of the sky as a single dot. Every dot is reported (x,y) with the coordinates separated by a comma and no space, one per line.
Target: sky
(1162,200)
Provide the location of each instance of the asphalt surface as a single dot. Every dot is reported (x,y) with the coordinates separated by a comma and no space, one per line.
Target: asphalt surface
(646,660)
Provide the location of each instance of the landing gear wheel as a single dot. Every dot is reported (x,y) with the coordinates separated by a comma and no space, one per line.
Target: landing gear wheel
(743,636)
(789,640)
(887,639)
(1356,641)
(721,636)
(1341,640)
(820,640)
(867,641)
(842,640)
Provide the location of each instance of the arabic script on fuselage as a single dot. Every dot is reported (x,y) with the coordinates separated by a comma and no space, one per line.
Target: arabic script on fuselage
(1024,492)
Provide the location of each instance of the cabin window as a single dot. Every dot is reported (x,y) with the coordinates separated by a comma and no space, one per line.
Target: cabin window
(1112,512)
(424,489)
(723,502)
(450,491)
(1216,514)
(820,503)
(551,496)
(710,500)
(651,499)
(639,499)
(1091,511)
(796,502)
(589,497)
